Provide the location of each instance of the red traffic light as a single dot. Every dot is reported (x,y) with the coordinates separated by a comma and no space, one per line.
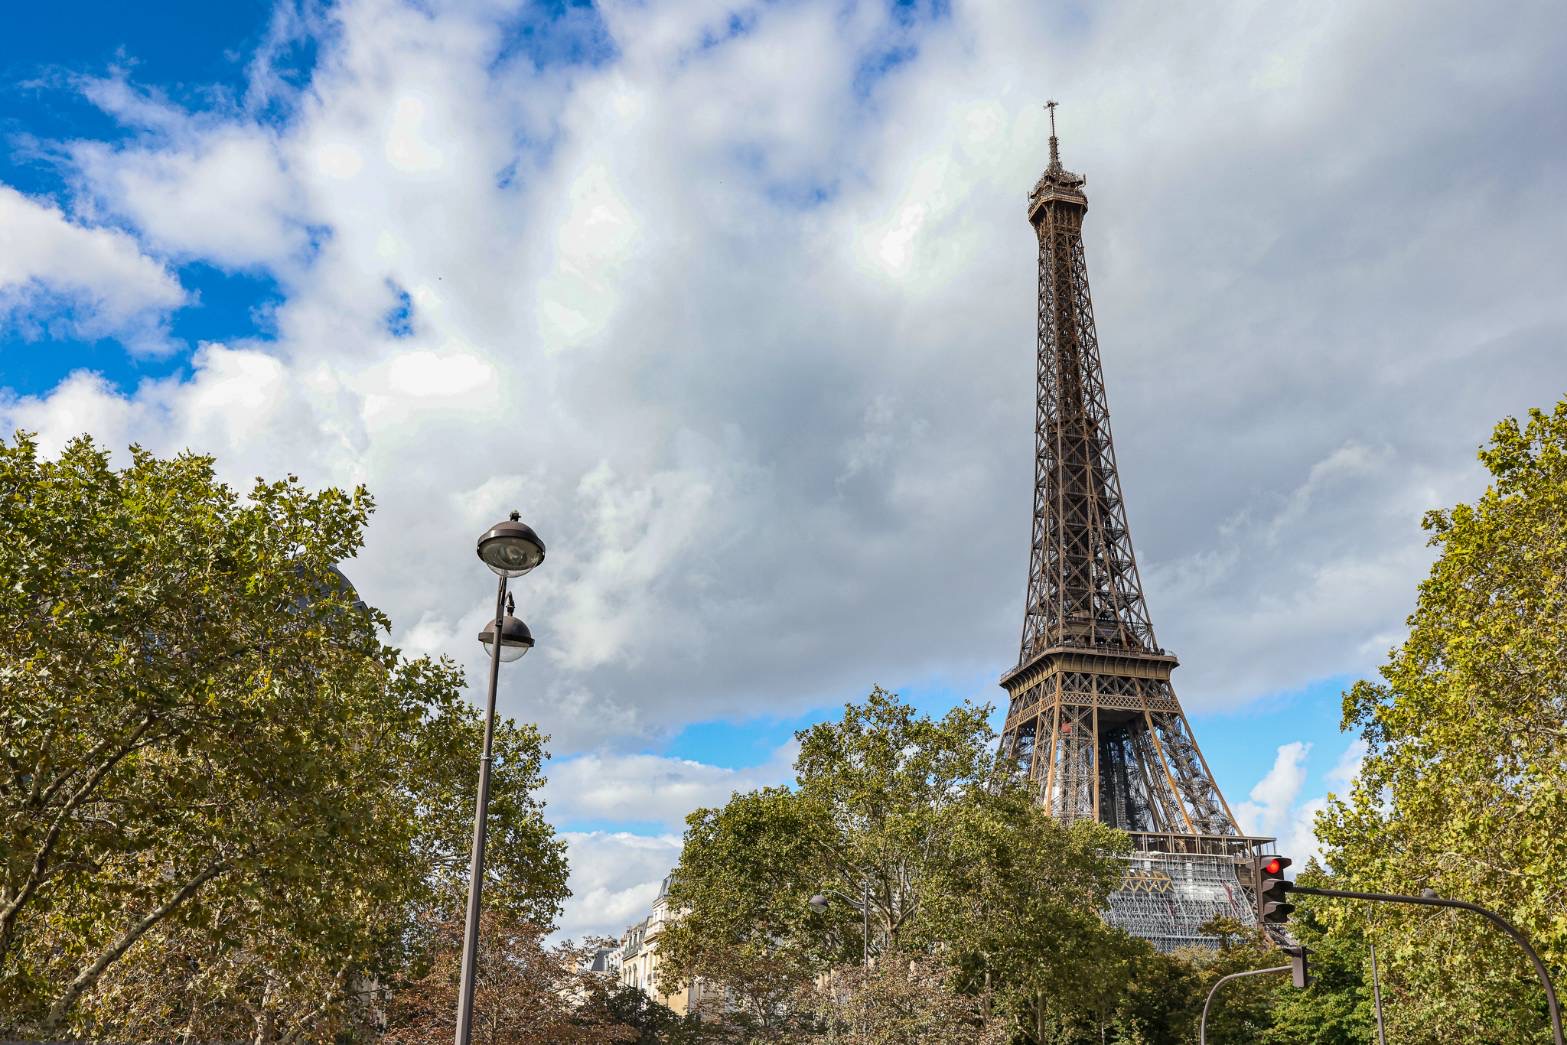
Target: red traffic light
(1269,887)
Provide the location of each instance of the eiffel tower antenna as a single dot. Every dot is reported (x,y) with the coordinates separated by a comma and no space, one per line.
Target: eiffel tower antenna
(1055,149)
(1093,722)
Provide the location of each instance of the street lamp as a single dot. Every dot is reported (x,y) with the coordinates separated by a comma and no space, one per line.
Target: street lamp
(819,903)
(516,639)
(510,549)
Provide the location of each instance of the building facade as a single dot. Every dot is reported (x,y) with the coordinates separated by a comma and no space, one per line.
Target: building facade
(637,960)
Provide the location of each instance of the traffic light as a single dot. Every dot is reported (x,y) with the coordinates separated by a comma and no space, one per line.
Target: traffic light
(1273,907)
(1298,973)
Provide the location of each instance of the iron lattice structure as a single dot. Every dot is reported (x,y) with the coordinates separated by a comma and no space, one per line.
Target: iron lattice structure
(1092,720)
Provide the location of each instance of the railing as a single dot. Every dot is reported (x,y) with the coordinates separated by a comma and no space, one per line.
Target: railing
(1204,845)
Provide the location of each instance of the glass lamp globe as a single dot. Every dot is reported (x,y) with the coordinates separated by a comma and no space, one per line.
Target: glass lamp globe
(516,639)
(511,548)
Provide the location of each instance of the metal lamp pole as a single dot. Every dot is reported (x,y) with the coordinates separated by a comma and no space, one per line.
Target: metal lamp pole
(1202,1027)
(510,549)
(819,903)
(1376,979)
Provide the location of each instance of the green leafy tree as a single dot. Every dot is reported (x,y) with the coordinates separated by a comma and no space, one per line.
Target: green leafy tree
(742,888)
(1464,784)
(225,799)
(903,824)
(1016,905)
(1161,1001)
(526,993)
(654,1024)
(1242,1009)
(870,818)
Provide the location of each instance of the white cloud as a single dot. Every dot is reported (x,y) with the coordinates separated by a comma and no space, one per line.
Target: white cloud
(1298,839)
(1273,797)
(66,277)
(1347,768)
(83,402)
(614,879)
(1276,808)
(216,192)
(742,319)
(651,788)
(616,874)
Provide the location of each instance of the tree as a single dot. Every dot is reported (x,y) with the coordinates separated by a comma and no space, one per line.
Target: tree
(1464,784)
(1017,905)
(1337,1007)
(652,1023)
(869,818)
(1161,1002)
(225,799)
(908,1001)
(742,890)
(905,825)
(525,994)
(1242,1010)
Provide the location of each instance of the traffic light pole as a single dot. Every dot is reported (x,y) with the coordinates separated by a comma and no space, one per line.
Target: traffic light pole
(1437,901)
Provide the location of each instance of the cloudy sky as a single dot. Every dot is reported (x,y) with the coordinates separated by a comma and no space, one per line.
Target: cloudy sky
(735,302)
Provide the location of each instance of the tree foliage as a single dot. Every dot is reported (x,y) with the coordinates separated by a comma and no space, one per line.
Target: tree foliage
(1336,1007)
(526,993)
(921,849)
(225,799)
(908,1001)
(1016,906)
(1464,784)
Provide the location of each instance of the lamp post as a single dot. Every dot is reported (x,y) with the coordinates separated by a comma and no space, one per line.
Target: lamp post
(1376,980)
(1202,1026)
(819,901)
(510,549)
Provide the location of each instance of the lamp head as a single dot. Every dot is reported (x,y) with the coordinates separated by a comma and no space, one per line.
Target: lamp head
(510,548)
(516,639)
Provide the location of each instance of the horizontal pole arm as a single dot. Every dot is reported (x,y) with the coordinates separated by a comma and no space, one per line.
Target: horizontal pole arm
(1439,901)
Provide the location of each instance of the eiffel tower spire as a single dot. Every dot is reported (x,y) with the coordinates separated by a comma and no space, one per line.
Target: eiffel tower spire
(1093,721)
(1055,145)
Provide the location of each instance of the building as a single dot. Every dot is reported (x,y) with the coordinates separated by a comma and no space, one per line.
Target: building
(604,962)
(636,961)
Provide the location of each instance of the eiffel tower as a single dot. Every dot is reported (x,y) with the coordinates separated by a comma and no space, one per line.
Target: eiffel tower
(1092,720)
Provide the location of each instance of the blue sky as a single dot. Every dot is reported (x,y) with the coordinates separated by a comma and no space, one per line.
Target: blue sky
(193,52)
(737,298)
(1240,744)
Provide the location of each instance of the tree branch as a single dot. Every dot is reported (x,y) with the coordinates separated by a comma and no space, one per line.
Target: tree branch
(35,875)
(89,976)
